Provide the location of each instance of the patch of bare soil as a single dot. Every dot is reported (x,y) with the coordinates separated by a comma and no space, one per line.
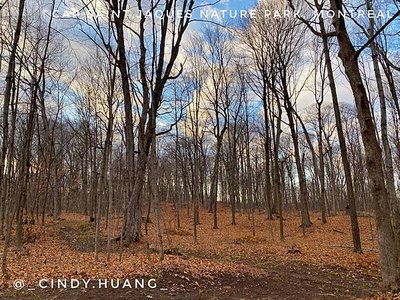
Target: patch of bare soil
(79,236)
(289,281)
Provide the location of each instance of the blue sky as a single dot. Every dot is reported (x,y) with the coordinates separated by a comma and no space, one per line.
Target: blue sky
(228,5)
(237,4)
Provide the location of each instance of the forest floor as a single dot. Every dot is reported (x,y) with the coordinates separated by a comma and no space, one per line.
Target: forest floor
(226,263)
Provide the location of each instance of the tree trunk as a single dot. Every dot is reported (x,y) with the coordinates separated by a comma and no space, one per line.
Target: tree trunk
(342,143)
(305,216)
(389,257)
(388,162)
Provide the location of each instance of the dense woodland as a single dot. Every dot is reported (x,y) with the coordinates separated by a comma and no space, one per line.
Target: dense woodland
(116,116)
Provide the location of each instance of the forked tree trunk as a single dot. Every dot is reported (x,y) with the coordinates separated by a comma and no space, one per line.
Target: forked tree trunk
(132,222)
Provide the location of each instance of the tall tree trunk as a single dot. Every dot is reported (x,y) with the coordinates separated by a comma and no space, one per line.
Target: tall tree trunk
(155,194)
(132,223)
(342,143)
(393,92)
(313,156)
(278,172)
(214,181)
(10,78)
(305,216)
(105,166)
(388,162)
(389,257)
(321,166)
(267,146)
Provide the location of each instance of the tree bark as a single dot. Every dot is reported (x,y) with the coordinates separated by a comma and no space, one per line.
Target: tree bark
(389,257)
(342,143)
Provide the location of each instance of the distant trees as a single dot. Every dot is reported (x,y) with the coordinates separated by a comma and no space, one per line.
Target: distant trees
(155,65)
(165,41)
(217,55)
(381,189)
(275,47)
(324,35)
(218,118)
(9,208)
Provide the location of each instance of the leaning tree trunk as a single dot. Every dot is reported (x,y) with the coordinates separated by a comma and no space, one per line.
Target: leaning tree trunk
(393,92)
(314,160)
(305,216)
(355,230)
(389,256)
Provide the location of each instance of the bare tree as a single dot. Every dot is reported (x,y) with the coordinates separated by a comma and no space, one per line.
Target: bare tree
(389,253)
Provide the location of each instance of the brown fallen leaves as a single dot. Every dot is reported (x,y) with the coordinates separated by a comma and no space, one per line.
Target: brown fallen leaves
(324,245)
(50,251)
